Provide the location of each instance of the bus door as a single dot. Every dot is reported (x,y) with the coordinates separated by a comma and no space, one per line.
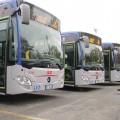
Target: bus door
(69,62)
(2,67)
(107,61)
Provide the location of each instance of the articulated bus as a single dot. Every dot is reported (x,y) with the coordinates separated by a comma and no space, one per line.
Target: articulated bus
(30,49)
(83,58)
(111,53)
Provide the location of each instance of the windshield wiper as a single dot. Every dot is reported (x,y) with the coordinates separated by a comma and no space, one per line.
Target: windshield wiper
(87,68)
(55,61)
(59,66)
(93,67)
(97,67)
(41,64)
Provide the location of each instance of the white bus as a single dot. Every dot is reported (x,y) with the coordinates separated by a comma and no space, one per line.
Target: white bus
(111,61)
(30,49)
(83,58)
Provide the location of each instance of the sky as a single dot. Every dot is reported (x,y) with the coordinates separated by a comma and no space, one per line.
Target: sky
(86,15)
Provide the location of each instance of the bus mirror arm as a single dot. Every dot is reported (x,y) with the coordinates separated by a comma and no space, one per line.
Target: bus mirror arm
(24,10)
(86,41)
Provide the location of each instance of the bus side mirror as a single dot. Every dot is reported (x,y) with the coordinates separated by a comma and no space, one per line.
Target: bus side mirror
(86,41)
(25,13)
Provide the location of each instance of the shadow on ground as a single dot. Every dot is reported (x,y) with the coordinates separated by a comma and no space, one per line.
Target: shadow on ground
(25,98)
(86,88)
(109,84)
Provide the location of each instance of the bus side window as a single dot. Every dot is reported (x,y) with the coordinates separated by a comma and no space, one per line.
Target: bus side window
(0,54)
(112,65)
(78,56)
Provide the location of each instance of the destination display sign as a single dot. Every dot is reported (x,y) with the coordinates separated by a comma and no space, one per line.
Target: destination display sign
(92,38)
(44,17)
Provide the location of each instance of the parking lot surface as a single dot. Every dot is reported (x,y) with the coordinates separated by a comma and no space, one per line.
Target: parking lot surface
(92,102)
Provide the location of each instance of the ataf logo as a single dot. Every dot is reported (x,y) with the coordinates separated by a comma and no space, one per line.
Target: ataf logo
(48,79)
(49,72)
(31,72)
(97,73)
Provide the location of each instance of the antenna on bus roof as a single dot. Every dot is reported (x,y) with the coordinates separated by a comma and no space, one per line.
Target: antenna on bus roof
(95,30)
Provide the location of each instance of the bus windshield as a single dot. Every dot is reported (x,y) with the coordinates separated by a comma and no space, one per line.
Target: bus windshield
(40,43)
(93,56)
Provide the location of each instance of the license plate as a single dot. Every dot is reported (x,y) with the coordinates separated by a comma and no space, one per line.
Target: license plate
(91,82)
(47,87)
(37,88)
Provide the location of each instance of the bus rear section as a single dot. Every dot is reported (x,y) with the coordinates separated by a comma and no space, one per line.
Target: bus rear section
(83,64)
(30,49)
(111,53)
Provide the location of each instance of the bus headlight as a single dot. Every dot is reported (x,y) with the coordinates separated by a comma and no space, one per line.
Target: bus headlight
(85,78)
(23,80)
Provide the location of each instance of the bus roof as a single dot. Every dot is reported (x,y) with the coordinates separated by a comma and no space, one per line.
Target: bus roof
(40,15)
(16,3)
(110,45)
(70,33)
(77,34)
(12,2)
